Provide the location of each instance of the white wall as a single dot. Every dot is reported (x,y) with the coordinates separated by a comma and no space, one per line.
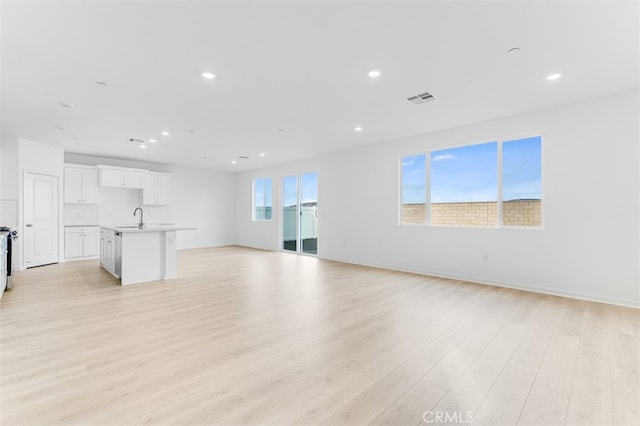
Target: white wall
(199,198)
(9,180)
(588,248)
(205,199)
(9,167)
(36,157)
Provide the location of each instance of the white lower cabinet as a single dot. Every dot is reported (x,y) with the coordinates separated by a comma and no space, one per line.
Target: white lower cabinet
(80,241)
(108,250)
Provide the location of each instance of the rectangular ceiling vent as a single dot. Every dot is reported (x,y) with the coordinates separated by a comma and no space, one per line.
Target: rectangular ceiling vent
(422,98)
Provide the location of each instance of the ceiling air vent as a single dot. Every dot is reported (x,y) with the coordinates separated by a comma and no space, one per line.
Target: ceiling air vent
(421,98)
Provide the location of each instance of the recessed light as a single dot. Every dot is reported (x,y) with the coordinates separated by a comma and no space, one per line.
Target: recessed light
(208,75)
(153,140)
(164,133)
(233,161)
(143,147)
(66,105)
(357,129)
(553,77)
(262,154)
(374,73)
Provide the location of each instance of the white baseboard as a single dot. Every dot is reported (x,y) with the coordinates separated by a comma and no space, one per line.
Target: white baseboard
(516,286)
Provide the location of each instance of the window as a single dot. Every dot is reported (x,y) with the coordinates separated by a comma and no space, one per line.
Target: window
(262,199)
(522,182)
(463,187)
(414,189)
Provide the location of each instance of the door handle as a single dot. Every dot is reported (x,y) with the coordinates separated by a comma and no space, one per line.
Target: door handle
(29,225)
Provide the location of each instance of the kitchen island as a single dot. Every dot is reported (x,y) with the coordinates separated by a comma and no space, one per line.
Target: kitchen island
(137,255)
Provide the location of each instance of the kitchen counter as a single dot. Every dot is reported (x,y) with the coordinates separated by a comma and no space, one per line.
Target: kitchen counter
(147,228)
(140,255)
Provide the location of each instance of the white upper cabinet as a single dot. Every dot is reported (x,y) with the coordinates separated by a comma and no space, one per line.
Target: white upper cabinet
(121,177)
(157,189)
(110,177)
(133,179)
(80,185)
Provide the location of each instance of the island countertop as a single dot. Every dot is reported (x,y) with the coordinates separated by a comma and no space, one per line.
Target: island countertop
(147,228)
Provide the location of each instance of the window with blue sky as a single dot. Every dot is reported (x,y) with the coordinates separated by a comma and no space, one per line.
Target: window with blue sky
(465,174)
(262,199)
(522,169)
(414,179)
(462,187)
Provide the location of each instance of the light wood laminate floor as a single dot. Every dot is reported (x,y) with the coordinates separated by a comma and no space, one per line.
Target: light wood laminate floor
(253,337)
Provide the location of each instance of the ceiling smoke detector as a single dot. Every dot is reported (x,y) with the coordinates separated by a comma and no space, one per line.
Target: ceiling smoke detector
(422,98)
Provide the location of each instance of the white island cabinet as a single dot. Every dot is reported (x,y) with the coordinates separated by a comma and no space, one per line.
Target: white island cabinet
(142,255)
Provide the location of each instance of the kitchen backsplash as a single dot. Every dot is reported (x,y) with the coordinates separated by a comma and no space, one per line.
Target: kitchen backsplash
(80,214)
(116,206)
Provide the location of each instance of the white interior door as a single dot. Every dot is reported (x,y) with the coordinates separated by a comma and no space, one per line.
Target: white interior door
(40,219)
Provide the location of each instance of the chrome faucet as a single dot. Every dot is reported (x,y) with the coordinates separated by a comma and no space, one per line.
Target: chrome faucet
(141,224)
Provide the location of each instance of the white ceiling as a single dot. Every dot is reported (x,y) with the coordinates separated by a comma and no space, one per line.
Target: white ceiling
(291,78)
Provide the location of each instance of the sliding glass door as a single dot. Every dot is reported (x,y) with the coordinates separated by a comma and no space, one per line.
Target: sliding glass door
(300,213)
(290,213)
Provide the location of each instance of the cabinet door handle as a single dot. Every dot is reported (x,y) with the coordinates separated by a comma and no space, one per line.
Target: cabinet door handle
(29,225)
